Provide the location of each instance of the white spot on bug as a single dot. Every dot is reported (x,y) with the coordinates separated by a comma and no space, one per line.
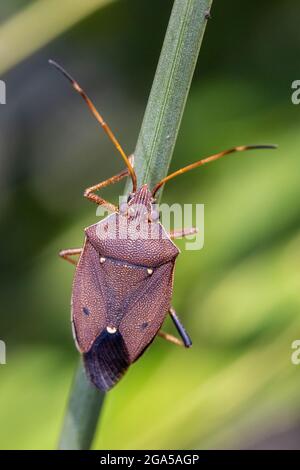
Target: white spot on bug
(149,271)
(102,260)
(111,330)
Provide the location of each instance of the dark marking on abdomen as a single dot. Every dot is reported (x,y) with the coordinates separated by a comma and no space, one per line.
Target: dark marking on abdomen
(107,360)
(86,311)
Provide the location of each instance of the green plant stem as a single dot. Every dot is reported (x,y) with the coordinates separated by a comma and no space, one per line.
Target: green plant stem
(169,90)
(82,413)
(153,154)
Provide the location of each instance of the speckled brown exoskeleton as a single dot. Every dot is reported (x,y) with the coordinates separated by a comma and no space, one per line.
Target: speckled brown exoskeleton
(123,283)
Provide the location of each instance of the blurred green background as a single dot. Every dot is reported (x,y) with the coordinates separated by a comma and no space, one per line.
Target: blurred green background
(238,297)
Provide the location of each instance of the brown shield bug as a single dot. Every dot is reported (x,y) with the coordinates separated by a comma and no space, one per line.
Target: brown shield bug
(123,282)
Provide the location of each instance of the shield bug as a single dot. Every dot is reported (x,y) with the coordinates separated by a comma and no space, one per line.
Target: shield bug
(123,280)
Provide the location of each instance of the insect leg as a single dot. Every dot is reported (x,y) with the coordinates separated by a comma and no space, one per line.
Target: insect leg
(65,254)
(186,340)
(170,338)
(180,328)
(183,233)
(89,193)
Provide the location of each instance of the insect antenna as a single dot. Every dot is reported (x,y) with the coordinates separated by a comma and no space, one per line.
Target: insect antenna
(211,158)
(101,121)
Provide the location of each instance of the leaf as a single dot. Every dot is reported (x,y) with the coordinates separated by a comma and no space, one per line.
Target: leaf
(38,24)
